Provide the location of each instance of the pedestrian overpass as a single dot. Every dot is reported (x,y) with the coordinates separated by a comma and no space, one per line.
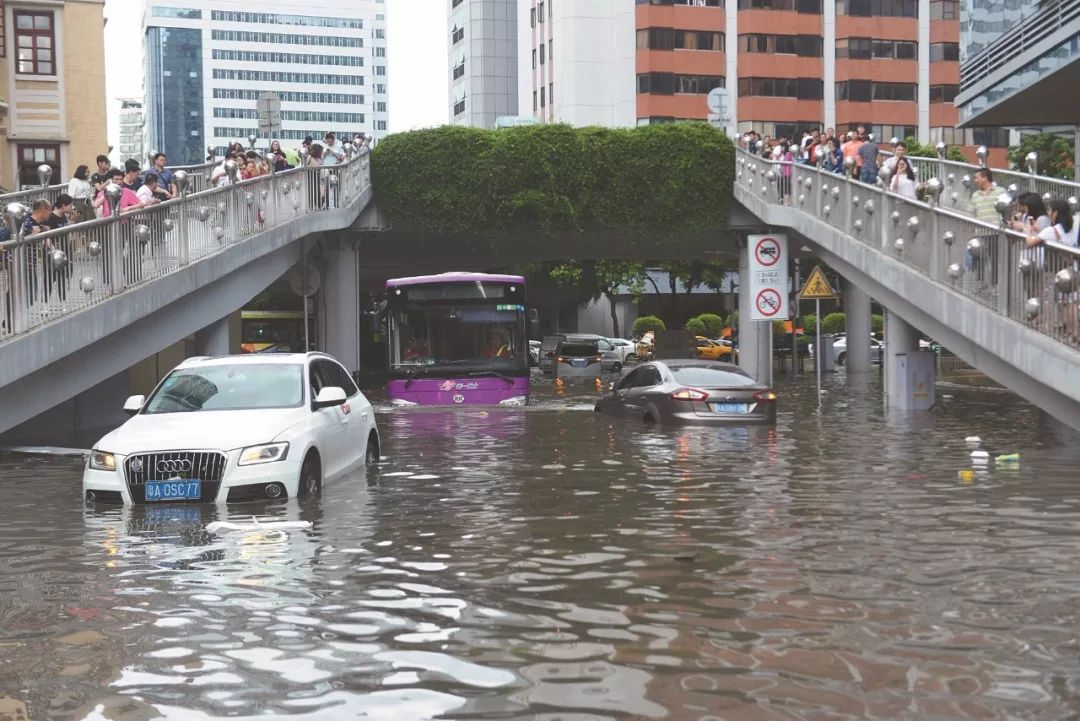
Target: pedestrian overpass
(79,305)
(1009,311)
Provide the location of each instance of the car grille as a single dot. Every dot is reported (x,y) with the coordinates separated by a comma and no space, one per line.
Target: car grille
(207,466)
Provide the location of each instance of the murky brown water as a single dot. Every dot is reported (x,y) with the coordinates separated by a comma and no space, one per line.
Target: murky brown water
(545,564)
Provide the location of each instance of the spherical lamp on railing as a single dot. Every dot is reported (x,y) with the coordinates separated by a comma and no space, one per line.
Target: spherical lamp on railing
(948,238)
(1066,280)
(211,153)
(1004,205)
(981,154)
(1025,266)
(836,191)
(770,176)
(868,206)
(809,183)
(252,139)
(895,217)
(58,259)
(941,148)
(219,233)
(913,226)
(802,199)
(975,247)
(16,213)
(1047,198)
(856,225)
(44,173)
(93,248)
(203,213)
(898,244)
(180,178)
(113,193)
(849,162)
(1031,308)
(142,234)
(894,141)
(854,200)
(955,270)
(1031,161)
(885,174)
(1072,204)
(232,169)
(933,188)
(966,181)
(86,285)
(168,225)
(826,210)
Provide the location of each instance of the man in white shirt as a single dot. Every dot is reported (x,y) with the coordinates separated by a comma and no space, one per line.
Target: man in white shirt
(898,152)
(333,151)
(147,192)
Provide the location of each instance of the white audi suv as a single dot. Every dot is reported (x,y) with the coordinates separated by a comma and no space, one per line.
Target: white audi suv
(236,428)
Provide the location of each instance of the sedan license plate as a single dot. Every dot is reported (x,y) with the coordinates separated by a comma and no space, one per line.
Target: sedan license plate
(730,408)
(580,362)
(174,490)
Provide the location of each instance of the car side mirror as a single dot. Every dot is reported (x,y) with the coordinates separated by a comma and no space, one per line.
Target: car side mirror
(134,404)
(329,396)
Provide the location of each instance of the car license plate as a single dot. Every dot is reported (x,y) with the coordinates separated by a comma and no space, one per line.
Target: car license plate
(580,362)
(729,407)
(173,490)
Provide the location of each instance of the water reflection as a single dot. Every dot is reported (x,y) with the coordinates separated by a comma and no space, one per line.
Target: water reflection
(547,563)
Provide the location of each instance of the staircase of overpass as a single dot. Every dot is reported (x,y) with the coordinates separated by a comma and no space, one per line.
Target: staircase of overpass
(82,303)
(1006,309)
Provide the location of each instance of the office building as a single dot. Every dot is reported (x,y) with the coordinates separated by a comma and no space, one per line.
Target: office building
(52,94)
(1020,63)
(784,65)
(576,62)
(208,61)
(483,61)
(131,131)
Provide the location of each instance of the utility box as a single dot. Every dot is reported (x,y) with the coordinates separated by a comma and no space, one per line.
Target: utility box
(914,382)
(674,344)
(826,354)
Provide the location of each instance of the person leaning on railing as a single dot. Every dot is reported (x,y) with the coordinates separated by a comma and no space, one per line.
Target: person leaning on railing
(82,193)
(1060,232)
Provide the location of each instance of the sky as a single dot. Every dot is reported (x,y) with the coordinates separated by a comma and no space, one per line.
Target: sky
(416,50)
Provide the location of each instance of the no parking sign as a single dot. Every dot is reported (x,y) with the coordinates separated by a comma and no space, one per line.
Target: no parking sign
(768,277)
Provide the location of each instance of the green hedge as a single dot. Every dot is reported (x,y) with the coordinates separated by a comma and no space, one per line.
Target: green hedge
(647,323)
(657,182)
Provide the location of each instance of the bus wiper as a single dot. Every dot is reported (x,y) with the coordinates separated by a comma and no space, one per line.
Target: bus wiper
(413,373)
(497,374)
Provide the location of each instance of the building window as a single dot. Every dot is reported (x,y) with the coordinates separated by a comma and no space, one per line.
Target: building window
(944,51)
(672,39)
(878,8)
(459,107)
(532,17)
(534,101)
(380,107)
(534,58)
(457,36)
(35,42)
(380,125)
(812,7)
(379,53)
(31,156)
(944,9)
(543,53)
(943,93)
(459,71)
(182,13)
(670,83)
(256,56)
(803,45)
(380,34)
(863,91)
(691,3)
(869,48)
(551,93)
(311,21)
(551,53)
(543,97)
(799,88)
(540,12)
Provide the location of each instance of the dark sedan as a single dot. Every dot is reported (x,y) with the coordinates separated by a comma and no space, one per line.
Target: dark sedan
(690,391)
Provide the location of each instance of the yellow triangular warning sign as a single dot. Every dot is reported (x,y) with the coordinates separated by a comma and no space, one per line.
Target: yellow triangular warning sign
(816,286)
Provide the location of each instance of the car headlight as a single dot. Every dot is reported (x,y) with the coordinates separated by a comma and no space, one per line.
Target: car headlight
(266,453)
(514,401)
(102,461)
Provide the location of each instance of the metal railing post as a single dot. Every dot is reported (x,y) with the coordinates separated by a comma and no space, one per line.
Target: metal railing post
(180,178)
(115,260)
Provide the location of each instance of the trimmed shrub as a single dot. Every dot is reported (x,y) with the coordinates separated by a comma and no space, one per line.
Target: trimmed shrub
(713,323)
(833,323)
(809,324)
(647,323)
(695,326)
(665,182)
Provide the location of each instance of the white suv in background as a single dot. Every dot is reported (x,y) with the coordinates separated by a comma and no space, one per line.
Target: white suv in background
(236,428)
(624,348)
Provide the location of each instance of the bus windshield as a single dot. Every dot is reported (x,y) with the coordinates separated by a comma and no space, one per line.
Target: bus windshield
(448,340)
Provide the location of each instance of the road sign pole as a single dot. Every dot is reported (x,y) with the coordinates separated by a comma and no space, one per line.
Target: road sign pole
(819,352)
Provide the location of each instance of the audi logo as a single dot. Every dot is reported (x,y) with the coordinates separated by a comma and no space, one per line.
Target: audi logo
(173,466)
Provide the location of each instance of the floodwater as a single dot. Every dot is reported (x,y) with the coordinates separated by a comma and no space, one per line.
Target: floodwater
(546,564)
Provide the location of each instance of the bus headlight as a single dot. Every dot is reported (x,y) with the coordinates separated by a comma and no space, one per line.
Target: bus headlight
(514,401)
(401,403)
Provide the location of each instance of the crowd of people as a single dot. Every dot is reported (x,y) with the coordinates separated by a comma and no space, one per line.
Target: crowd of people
(47,277)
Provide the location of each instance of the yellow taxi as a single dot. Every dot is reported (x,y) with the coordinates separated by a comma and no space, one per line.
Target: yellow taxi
(713,349)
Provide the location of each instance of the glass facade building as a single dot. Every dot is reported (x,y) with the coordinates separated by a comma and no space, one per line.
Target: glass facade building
(174,93)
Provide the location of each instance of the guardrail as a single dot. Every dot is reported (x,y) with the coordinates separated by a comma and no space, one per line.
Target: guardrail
(198,180)
(988,263)
(1025,33)
(957,180)
(56,273)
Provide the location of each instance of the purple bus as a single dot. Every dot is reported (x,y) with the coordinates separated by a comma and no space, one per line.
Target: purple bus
(458,339)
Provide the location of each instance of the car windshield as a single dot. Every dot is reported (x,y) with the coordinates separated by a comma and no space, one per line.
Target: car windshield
(231,387)
(705,377)
(578,349)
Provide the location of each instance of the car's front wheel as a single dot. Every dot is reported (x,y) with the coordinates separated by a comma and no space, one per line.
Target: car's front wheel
(617,368)
(631,357)
(310,477)
(371,455)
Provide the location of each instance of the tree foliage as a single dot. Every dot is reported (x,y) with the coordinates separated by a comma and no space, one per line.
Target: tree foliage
(1055,154)
(712,324)
(647,323)
(916,149)
(695,326)
(660,182)
(833,323)
(595,279)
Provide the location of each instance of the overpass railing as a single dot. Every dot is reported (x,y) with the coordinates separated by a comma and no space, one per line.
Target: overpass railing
(59,272)
(198,180)
(958,181)
(1038,286)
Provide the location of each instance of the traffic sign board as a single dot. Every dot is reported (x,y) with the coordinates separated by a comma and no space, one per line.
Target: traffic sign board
(269,107)
(767,251)
(768,302)
(817,286)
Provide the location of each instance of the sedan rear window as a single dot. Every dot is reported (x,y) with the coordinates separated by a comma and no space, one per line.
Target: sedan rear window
(704,377)
(578,349)
(234,387)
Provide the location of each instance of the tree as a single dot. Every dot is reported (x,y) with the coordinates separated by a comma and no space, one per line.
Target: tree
(917,150)
(647,323)
(809,324)
(603,278)
(712,324)
(1055,154)
(695,326)
(833,323)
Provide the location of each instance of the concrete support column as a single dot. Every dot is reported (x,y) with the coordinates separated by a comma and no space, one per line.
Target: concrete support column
(213,340)
(341,295)
(858,328)
(755,336)
(909,374)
